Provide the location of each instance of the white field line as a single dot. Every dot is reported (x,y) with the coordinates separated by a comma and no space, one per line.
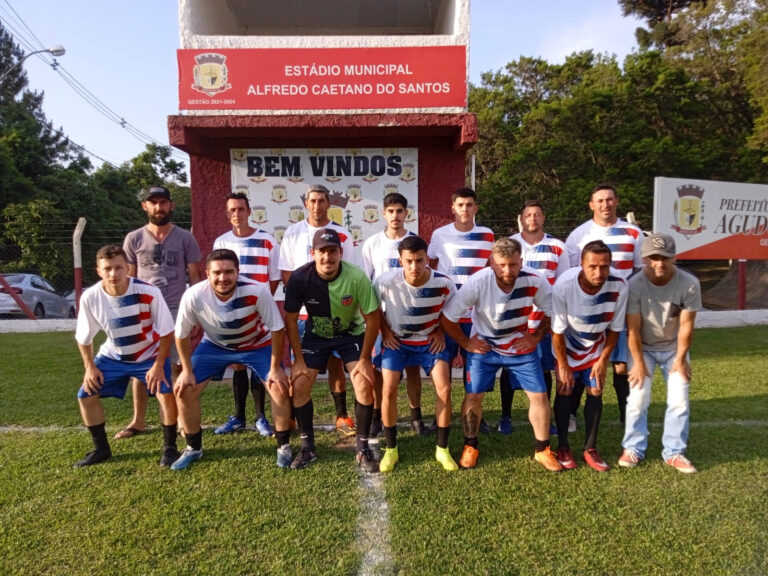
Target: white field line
(372,534)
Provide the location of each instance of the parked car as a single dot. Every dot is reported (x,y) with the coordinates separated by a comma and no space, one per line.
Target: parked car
(38,294)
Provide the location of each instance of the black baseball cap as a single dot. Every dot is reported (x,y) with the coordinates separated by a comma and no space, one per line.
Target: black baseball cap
(153,191)
(324,238)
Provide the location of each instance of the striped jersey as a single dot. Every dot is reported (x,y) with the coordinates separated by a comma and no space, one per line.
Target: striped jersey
(380,254)
(133,322)
(258,254)
(624,240)
(584,318)
(498,317)
(244,322)
(549,258)
(412,312)
(460,254)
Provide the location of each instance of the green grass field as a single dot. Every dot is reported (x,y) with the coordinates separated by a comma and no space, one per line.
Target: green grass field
(235,512)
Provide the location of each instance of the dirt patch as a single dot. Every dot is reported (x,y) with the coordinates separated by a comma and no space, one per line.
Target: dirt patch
(720,283)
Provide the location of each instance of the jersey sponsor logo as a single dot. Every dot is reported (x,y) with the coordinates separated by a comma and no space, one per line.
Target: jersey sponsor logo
(347,300)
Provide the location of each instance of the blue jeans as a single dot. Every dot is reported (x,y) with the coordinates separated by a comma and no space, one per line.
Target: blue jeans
(676,419)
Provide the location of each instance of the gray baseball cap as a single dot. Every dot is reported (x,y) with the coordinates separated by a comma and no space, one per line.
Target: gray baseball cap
(659,245)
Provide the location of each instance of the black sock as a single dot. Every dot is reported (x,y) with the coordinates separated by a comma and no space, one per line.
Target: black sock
(562,417)
(471,442)
(240,390)
(416,413)
(593,409)
(282,437)
(621,385)
(377,414)
(195,441)
(170,432)
(576,394)
(259,394)
(442,436)
(364,417)
(507,394)
(99,437)
(540,445)
(390,435)
(340,401)
(305,422)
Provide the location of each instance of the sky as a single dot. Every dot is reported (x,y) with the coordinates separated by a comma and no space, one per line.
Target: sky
(124,54)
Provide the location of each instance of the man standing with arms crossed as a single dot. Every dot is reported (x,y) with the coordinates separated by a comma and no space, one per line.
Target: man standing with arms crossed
(257,251)
(548,256)
(588,306)
(624,240)
(663,301)
(161,254)
(295,251)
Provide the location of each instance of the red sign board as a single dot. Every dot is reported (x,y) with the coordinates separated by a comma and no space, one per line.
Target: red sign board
(323,78)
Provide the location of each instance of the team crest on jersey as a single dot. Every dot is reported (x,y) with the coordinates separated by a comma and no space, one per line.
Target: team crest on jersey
(210,74)
(689,210)
(347,300)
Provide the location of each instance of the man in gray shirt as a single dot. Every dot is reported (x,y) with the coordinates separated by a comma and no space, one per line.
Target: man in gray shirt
(661,310)
(161,254)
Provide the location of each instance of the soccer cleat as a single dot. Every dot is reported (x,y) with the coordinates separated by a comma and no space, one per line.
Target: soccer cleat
(346,425)
(443,456)
(681,463)
(284,456)
(419,427)
(547,459)
(572,424)
(187,457)
(376,427)
(388,461)
(367,461)
(263,426)
(469,457)
(505,425)
(595,461)
(94,457)
(629,459)
(304,458)
(484,427)
(566,459)
(170,455)
(233,424)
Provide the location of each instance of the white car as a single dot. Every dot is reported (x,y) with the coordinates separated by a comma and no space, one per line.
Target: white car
(38,294)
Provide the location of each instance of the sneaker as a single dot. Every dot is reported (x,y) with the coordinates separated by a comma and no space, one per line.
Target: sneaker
(170,455)
(186,458)
(629,459)
(233,424)
(505,425)
(94,457)
(304,458)
(566,459)
(263,426)
(346,425)
(484,428)
(572,424)
(376,427)
(419,427)
(681,463)
(367,461)
(284,456)
(595,461)
(388,461)
(443,456)
(547,459)
(469,457)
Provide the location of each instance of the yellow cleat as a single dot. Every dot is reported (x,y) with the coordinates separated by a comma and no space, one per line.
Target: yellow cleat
(443,456)
(388,461)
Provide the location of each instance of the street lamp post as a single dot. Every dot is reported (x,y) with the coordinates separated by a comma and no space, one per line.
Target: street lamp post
(57,50)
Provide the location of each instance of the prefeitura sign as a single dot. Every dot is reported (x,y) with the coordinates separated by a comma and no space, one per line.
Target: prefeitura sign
(323,78)
(713,220)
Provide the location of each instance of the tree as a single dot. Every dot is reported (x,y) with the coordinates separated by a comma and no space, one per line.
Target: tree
(663,29)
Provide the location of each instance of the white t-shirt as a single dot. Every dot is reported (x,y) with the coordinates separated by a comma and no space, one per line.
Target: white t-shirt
(624,240)
(244,322)
(258,254)
(584,318)
(297,242)
(380,254)
(133,322)
(412,312)
(498,317)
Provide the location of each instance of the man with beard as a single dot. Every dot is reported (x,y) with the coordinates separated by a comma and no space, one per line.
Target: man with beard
(161,254)
(241,325)
(588,307)
(502,298)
